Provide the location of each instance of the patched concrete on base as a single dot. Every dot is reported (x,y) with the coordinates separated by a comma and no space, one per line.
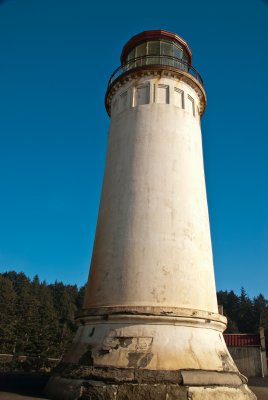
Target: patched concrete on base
(151,342)
(220,393)
(210,378)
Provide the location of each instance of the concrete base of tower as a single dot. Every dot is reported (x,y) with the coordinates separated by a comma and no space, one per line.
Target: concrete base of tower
(148,353)
(212,388)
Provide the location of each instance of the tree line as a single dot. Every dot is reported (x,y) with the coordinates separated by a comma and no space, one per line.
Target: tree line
(37,318)
(244,315)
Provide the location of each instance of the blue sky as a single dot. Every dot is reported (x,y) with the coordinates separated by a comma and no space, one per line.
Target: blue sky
(55,60)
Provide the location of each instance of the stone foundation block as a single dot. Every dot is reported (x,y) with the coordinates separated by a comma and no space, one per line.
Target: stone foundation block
(220,393)
(99,391)
(141,392)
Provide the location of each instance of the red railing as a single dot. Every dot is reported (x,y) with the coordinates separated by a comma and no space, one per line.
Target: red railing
(242,339)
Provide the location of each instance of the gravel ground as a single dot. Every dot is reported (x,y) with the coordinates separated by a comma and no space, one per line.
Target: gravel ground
(14,396)
(259,386)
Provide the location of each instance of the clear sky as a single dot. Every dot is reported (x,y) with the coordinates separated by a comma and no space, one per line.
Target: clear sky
(55,60)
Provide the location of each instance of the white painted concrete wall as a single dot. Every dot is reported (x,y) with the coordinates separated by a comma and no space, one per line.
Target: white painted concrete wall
(152,245)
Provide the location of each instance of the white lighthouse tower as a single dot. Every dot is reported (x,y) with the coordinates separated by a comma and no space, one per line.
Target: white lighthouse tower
(150,327)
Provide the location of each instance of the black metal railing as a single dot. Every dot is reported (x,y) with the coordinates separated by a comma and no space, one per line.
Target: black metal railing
(157,60)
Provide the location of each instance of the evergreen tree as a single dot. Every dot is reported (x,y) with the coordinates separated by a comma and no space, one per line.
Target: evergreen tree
(230,303)
(260,304)
(27,315)
(48,324)
(36,319)
(80,297)
(7,316)
(64,298)
(246,320)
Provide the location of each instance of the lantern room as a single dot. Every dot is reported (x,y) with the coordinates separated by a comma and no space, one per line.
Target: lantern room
(158,47)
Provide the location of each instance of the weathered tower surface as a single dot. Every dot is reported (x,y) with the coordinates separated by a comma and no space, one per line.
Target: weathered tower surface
(150,327)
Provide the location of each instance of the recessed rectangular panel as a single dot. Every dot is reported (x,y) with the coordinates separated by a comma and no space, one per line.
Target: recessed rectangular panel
(178,98)
(191,106)
(142,95)
(123,101)
(162,94)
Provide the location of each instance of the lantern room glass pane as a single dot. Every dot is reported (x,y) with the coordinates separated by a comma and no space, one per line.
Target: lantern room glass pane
(178,58)
(130,57)
(141,52)
(153,50)
(185,62)
(177,52)
(166,49)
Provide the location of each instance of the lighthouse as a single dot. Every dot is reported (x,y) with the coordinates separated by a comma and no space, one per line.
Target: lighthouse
(150,327)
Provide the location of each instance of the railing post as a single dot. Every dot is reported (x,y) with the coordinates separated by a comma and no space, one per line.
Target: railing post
(263,352)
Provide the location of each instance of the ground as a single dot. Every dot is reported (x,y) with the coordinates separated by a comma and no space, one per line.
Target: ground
(259,386)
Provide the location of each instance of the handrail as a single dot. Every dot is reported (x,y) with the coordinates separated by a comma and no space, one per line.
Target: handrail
(170,61)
